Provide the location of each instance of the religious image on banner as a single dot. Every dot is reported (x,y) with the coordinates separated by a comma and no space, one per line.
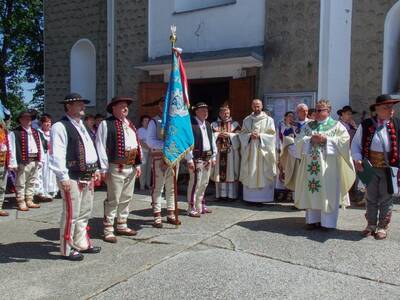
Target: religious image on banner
(176,126)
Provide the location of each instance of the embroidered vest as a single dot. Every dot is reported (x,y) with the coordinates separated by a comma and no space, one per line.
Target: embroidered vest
(115,145)
(368,131)
(198,137)
(45,143)
(4,140)
(75,157)
(21,145)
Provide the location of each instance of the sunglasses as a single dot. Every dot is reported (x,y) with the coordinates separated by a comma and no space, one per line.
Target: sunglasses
(321,110)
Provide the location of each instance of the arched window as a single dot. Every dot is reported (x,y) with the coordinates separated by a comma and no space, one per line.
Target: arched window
(391,51)
(83,70)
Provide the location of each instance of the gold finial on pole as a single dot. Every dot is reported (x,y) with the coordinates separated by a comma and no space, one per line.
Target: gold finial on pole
(173,37)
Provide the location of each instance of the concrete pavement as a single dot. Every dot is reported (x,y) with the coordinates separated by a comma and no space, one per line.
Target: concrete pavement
(236,252)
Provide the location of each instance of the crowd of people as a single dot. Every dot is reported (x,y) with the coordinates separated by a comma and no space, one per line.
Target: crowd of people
(311,156)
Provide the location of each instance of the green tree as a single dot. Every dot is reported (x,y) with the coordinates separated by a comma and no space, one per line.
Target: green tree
(21,56)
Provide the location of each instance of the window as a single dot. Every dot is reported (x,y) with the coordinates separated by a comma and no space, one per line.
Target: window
(83,70)
(186,6)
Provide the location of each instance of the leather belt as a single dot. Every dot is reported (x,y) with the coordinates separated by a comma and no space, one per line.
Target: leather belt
(202,155)
(130,158)
(85,175)
(377,159)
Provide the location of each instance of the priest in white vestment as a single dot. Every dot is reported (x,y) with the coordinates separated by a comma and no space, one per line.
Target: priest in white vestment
(258,155)
(326,171)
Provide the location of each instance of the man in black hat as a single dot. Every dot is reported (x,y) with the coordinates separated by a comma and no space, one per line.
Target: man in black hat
(120,158)
(163,175)
(200,161)
(346,118)
(26,159)
(74,160)
(376,143)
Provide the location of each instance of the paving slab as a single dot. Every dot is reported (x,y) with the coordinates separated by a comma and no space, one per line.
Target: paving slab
(282,236)
(204,273)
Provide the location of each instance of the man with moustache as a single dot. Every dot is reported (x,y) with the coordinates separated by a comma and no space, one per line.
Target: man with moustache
(26,159)
(200,161)
(120,158)
(377,141)
(258,164)
(74,160)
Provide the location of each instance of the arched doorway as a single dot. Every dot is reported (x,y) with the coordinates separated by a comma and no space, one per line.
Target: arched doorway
(391,51)
(83,70)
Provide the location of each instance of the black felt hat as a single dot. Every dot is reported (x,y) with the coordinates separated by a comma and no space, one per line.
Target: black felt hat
(346,108)
(385,99)
(116,100)
(74,97)
(199,105)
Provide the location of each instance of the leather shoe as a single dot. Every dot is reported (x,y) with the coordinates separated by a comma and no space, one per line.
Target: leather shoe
(41,198)
(22,207)
(3,213)
(126,231)
(110,239)
(74,256)
(92,250)
(313,226)
(173,221)
(31,204)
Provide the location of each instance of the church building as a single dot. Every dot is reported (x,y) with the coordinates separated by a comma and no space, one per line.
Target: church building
(281,51)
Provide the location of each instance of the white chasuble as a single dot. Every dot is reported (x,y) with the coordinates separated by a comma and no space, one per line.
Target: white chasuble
(326,172)
(258,158)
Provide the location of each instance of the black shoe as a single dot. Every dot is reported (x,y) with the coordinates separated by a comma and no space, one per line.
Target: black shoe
(92,250)
(326,229)
(74,256)
(313,226)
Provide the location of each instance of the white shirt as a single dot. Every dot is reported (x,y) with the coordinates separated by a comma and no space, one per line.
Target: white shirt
(376,145)
(59,143)
(142,133)
(101,141)
(32,148)
(206,142)
(152,139)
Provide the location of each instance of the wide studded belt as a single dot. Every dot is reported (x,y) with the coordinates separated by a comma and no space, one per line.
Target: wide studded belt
(377,159)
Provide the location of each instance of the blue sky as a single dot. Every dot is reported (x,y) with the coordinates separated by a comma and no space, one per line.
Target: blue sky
(28,91)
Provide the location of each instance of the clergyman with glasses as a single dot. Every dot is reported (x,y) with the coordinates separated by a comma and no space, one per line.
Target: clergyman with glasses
(326,170)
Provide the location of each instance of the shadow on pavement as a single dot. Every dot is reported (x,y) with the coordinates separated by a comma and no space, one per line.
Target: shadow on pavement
(296,227)
(26,251)
(148,212)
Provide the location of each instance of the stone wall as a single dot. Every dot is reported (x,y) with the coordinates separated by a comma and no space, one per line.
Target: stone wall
(367,51)
(131,48)
(291,46)
(67,21)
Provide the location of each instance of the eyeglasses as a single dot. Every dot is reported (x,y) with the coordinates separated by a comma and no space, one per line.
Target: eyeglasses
(321,110)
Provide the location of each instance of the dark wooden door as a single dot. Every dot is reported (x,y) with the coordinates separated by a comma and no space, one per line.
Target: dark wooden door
(241,93)
(150,92)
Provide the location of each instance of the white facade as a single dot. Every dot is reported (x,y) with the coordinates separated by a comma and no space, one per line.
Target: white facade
(237,25)
(335,52)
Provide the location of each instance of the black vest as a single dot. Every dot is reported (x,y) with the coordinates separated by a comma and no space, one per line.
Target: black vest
(198,137)
(75,157)
(21,144)
(368,131)
(115,145)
